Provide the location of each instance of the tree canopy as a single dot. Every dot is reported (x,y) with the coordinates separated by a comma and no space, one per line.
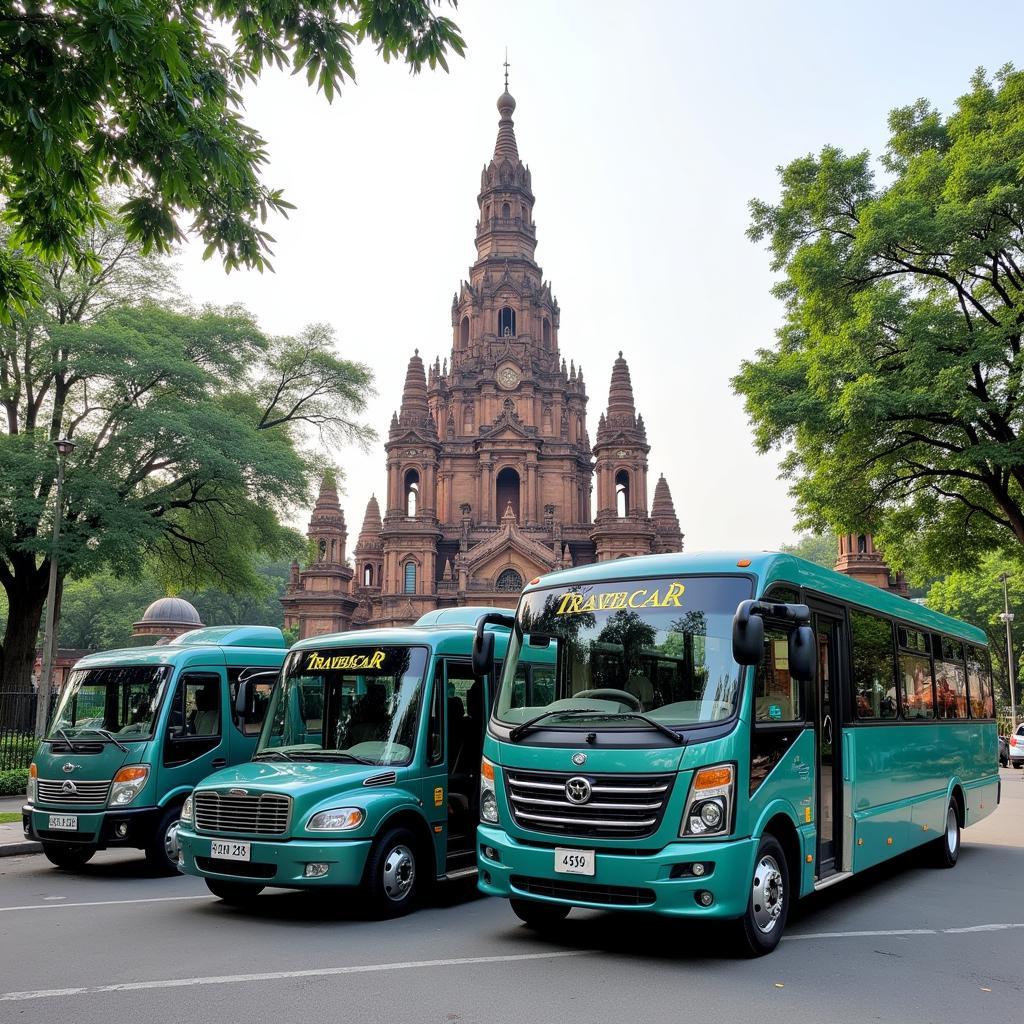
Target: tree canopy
(895,382)
(820,548)
(145,97)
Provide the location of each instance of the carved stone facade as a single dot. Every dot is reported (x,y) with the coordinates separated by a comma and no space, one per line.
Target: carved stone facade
(490,468)
(859,558)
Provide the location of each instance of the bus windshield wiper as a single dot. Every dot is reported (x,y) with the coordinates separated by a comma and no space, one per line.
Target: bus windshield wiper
(338,755)
(671,733)
(68,740)
(525,727)
(270,752)
(110,737)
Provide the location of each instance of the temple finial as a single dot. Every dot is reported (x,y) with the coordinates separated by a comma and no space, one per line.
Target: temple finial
(506,69)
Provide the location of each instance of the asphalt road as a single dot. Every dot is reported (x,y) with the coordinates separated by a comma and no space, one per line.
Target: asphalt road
(902,943)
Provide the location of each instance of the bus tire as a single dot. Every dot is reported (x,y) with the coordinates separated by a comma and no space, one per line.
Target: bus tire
(760,929)
(162,849)
(391,881)
(946,850)
(538,915)
(237,894)
(69,856)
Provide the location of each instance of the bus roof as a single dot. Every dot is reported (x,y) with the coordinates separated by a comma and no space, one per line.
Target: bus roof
(445,638)
(467,615)
(768,567)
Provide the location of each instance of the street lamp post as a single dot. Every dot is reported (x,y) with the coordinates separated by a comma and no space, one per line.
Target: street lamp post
(65,446)
(1007,618)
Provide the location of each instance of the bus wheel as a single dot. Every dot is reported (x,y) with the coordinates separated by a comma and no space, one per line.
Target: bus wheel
(538,915)
(760,928)
(70,856)
(162,850)
(947,849)
(238,894)
(392,880)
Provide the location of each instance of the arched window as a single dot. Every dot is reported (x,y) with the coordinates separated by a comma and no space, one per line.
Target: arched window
(464,333)
(622,494)
(506,489)
(412,492)
(368,576)
(509,582)
(506,322)
(506,211)
(409,577)
(523,209)
(862,545)
(546,334)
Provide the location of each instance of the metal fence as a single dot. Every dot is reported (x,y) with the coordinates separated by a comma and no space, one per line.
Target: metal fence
(17,729)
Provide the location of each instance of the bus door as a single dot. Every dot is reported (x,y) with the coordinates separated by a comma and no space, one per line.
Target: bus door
(829,632)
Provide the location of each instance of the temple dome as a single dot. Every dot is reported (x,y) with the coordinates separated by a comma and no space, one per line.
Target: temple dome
(174,610)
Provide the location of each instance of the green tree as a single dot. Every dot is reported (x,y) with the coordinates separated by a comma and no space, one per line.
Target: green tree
(193,432)
(145,97)
(976,596)
(895,382)
(820,548)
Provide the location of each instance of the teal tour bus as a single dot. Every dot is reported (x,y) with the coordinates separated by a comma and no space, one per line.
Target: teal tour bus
(366,775)
(724,734)
(134,730)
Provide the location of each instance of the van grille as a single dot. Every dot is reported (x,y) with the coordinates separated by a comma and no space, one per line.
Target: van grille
(619,806)
(86,794)
(264,814)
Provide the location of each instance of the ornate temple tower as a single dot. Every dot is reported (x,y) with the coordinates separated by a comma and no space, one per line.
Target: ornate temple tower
(859,558)
(667,534)
(318,599)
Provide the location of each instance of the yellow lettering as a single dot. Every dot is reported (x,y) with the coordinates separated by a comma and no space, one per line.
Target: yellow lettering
(635,597)
(653,601)
(675,591)
(378,660)
(570,604)
(589,605)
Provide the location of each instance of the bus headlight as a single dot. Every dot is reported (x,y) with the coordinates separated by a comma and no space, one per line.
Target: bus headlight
(186,811)
(337,819)
(488,797)
(709,806)
(30,789)
(128,783)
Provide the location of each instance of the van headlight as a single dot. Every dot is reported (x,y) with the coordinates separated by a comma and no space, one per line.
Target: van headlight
(337,819)
(186,811)
(488,796)
(709,806)
(128,783)
(30,789)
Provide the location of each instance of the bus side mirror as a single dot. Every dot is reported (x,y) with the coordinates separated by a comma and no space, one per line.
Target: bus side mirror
(483,654)
(245,699)
(801,653)
(747,635)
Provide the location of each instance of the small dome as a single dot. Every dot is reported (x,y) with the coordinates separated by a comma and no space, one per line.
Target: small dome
(506,104)
(171,609)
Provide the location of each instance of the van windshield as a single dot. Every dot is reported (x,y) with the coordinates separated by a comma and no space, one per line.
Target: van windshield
(346,704)
(660,647)
(121,701)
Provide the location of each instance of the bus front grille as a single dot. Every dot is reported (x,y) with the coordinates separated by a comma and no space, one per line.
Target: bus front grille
(262,814)
(612,806)
(72,793)
(584,892)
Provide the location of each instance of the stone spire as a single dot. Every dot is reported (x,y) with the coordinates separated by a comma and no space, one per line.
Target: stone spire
(621,408)
(668,535)
(505,147)
(415,411)
(327,528)
(372,524)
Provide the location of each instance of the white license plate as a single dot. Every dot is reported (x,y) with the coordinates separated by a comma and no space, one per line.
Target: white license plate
(574,862)
(64,822)
(230,851)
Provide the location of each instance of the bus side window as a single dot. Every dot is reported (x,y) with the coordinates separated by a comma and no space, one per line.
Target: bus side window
(916,692)
(250,725)
(979,684)
(776,692)
(874,667)
(435,738)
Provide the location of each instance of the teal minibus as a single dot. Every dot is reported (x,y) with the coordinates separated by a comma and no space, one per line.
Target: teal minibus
(366,776)
(134,730)
(723,734)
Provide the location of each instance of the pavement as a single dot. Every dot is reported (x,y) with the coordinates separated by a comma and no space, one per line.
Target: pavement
(12,838)
(904,942)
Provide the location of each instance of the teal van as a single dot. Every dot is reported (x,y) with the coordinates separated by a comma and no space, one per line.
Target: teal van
(132,733)
(366,773)
(723,734)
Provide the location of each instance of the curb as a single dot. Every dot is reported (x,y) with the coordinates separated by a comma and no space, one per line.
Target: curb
(20,849)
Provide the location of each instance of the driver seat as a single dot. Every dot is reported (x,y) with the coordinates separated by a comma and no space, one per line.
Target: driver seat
(642,688)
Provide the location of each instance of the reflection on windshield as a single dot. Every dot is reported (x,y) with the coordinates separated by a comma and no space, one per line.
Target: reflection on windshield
(346,704)
(661,647)
(121,701)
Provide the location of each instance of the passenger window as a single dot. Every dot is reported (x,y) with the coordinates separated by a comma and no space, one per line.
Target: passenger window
(263,687)
(874,669)
(776,693)
(916,682)
(783,593)
(979,684)
(194,721)
(435,739)
(950,680)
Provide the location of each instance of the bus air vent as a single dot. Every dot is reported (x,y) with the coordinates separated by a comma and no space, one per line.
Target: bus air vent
(383,779)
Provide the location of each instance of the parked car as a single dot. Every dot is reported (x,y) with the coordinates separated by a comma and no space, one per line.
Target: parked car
(1016,750)
(1004,752)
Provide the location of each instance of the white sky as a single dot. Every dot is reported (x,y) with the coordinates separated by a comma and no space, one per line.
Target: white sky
(648,126)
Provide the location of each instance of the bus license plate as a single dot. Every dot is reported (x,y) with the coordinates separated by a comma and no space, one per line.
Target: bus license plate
(64,822)
(229,851)
(574,862)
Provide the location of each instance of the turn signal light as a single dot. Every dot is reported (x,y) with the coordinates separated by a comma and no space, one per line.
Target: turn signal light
(713,778)
(743,563)
(487,769)
(1013,743)
(33,771)
(131,774)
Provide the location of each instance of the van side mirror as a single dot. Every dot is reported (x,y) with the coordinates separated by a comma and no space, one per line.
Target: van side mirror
(245,699)
(801,653)
(747,635)
(483,654)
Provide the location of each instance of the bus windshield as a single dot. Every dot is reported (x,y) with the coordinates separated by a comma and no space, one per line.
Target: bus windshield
(120,701)
(657,647)
(346,704)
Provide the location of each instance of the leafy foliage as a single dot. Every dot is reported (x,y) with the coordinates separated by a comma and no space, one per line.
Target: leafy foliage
(896,378)
(820,548)
(145,96)
(13,781)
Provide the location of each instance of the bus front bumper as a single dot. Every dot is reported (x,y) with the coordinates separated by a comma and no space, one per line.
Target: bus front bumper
(661,881)
(282,863)
(131,827)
